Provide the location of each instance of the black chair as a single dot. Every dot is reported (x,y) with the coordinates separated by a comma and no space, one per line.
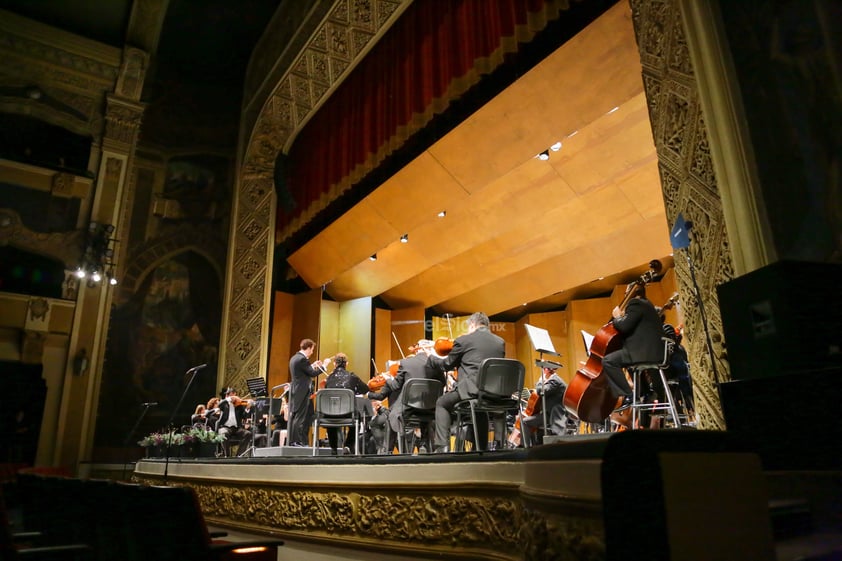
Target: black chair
(668,405)
(336,408)
(499,383)
(23,546)
(167,524)
(418,410)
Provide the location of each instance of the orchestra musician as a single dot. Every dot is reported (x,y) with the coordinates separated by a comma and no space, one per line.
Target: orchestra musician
(640,327)
(679,368)
(414,366)
(199,416)
(341,377)
(468,352)
(550,390)
(301,374)
(232,412)
(212,412)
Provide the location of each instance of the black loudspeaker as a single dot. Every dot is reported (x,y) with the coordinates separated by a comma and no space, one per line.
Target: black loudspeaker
(785,318)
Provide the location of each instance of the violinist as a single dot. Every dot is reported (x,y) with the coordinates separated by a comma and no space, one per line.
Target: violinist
(199,417)
(640,326)
(415,366)
(212,412)
(468,352)
(550,390)
(301,374)
(232,413)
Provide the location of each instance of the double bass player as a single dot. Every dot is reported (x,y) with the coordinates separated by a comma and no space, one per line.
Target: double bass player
(640,327)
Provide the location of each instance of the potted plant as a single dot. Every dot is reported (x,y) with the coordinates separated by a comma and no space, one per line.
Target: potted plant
(201,442)
(156,444)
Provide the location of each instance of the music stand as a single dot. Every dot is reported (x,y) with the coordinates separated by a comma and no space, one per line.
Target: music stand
(275,409)
(543,344)
(259,392)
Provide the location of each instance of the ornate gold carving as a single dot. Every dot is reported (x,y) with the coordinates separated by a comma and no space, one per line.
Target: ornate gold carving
(39,53)
(689,185)
(446,521)
(63,184)
(122,124)
(38,308)
(65,247)
(132,73)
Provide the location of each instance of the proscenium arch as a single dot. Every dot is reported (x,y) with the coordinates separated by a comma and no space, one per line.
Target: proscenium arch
(688,183)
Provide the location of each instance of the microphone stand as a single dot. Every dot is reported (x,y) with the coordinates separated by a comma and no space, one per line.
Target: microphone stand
(146,407)
(702,313)
(170,433)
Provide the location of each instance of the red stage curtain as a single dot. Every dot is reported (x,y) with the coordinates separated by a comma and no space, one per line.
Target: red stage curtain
(433,54)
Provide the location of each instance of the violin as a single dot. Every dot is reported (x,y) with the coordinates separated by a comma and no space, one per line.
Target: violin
(443,346)
(238,401)
(377,383)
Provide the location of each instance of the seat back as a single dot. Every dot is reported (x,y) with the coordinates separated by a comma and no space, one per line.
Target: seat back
(421,393)
(335,403)
(167,524)
(500,378)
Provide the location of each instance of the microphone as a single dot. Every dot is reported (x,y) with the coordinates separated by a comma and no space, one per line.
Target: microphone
(149,404)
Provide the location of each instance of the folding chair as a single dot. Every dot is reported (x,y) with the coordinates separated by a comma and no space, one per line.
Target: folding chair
(336,407)
(499,383)
(418,409)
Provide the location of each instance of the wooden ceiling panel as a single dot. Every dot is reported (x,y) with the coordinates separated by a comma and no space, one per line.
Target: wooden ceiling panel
(517,229)
(343,244)
(416,193)
(624,250)
(597,70)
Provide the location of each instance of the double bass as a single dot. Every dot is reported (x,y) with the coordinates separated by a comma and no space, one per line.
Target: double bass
(588,395)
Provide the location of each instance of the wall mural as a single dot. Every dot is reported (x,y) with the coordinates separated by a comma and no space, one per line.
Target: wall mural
(170,325)
(197,183)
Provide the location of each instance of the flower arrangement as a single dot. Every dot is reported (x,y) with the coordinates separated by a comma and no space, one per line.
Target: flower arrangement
(162,439)
(200,434)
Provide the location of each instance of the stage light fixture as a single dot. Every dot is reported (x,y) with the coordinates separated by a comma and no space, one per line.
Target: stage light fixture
(544,156)
(442,214)
(373,257)
(404,238)
(556,147)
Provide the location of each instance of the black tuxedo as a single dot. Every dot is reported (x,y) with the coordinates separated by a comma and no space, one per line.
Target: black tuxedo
(468,352)
(235,432)
(415,366)
(641,329)
(301,374)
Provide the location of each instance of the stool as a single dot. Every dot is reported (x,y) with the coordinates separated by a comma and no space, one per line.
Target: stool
(683,410)
(636,371)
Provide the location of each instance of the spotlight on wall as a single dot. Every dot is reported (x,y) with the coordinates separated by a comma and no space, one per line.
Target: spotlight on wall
(373,257)
(404,238)
(544,156)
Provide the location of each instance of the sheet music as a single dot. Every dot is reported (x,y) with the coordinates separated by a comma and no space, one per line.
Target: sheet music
(540,339)
(588,339)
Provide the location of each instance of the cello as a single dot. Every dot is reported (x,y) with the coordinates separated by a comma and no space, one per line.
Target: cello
(588,395)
